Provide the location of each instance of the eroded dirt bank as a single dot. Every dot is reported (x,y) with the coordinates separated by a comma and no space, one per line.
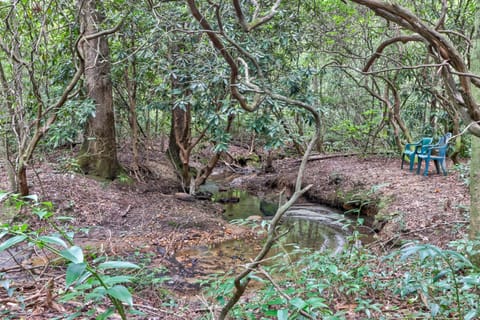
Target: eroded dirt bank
(402,205)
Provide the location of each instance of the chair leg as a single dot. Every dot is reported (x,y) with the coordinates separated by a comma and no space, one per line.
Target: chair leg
(444,168)
(419,165)
(437,166)
(427,162)
(412,161)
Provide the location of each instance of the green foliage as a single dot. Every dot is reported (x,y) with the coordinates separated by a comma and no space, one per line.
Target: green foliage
(70,123)
(445,279)
(90,281)
(424,280)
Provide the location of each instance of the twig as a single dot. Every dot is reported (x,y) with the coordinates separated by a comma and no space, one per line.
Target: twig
(209,308)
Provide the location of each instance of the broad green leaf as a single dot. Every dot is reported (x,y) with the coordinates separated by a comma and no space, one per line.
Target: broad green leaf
(333,268)
(71,295)
(97,294)
(282,314)
(117,265)
(43,213)
(299,303)
(53,240)
(73,254)
(12,241)
(110,281)
(317,302)
(121,293)
(74,271)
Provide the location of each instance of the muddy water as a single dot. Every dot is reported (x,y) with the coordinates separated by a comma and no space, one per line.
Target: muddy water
(309,226)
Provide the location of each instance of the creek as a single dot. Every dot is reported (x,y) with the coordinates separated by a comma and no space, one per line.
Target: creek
(309,225)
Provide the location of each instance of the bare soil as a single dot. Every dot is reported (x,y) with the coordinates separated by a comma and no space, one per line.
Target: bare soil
(147,217)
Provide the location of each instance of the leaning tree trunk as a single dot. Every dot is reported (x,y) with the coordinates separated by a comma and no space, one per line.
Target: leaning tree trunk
(98,155)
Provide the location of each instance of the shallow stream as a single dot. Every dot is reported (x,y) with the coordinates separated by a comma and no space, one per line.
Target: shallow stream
(309,226)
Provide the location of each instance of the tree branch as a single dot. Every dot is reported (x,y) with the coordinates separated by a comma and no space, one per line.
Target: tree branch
(383,45)
(256,22)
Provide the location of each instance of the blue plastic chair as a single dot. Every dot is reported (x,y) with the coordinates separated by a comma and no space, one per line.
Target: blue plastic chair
(437,153)
(411,150)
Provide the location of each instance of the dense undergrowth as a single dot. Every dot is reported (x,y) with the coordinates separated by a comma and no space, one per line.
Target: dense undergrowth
(418,281)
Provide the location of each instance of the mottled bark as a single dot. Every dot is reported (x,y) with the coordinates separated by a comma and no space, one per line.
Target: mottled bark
(179,142)
(475,161)
(98,155)
(475,189)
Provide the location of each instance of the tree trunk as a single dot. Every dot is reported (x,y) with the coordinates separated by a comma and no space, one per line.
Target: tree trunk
(98,155)
(179,143)
(475,160)
(22,180)
(475,189)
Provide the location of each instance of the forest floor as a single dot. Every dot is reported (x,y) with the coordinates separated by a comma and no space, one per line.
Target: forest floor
(148,221)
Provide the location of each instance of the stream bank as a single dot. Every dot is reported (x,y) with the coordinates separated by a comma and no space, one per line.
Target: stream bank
(398,206)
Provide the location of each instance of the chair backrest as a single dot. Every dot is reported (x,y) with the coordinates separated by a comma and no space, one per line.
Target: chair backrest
(441,146)
(444,139)
(426,141)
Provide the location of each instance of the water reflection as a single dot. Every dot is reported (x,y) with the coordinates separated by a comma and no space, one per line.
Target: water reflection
(309,226)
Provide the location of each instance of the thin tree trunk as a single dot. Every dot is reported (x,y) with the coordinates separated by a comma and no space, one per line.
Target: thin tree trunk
(5,158)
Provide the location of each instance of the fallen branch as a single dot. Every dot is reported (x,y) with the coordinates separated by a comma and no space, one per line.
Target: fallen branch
(241,281)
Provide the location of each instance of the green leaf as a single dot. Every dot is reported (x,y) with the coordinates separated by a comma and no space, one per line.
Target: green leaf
(106,314)
(42,213)
(12,241)
(434,309)
(256,278)
(121,293)
(74,271)
(3,195)
(117,265)
(299,303)
(53,240)
(277,301)
(65,218)
(73,254)
(110,281)
(33,197)
(316,302)
(97,294)
(282,314)
(333,268)
(471,315)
